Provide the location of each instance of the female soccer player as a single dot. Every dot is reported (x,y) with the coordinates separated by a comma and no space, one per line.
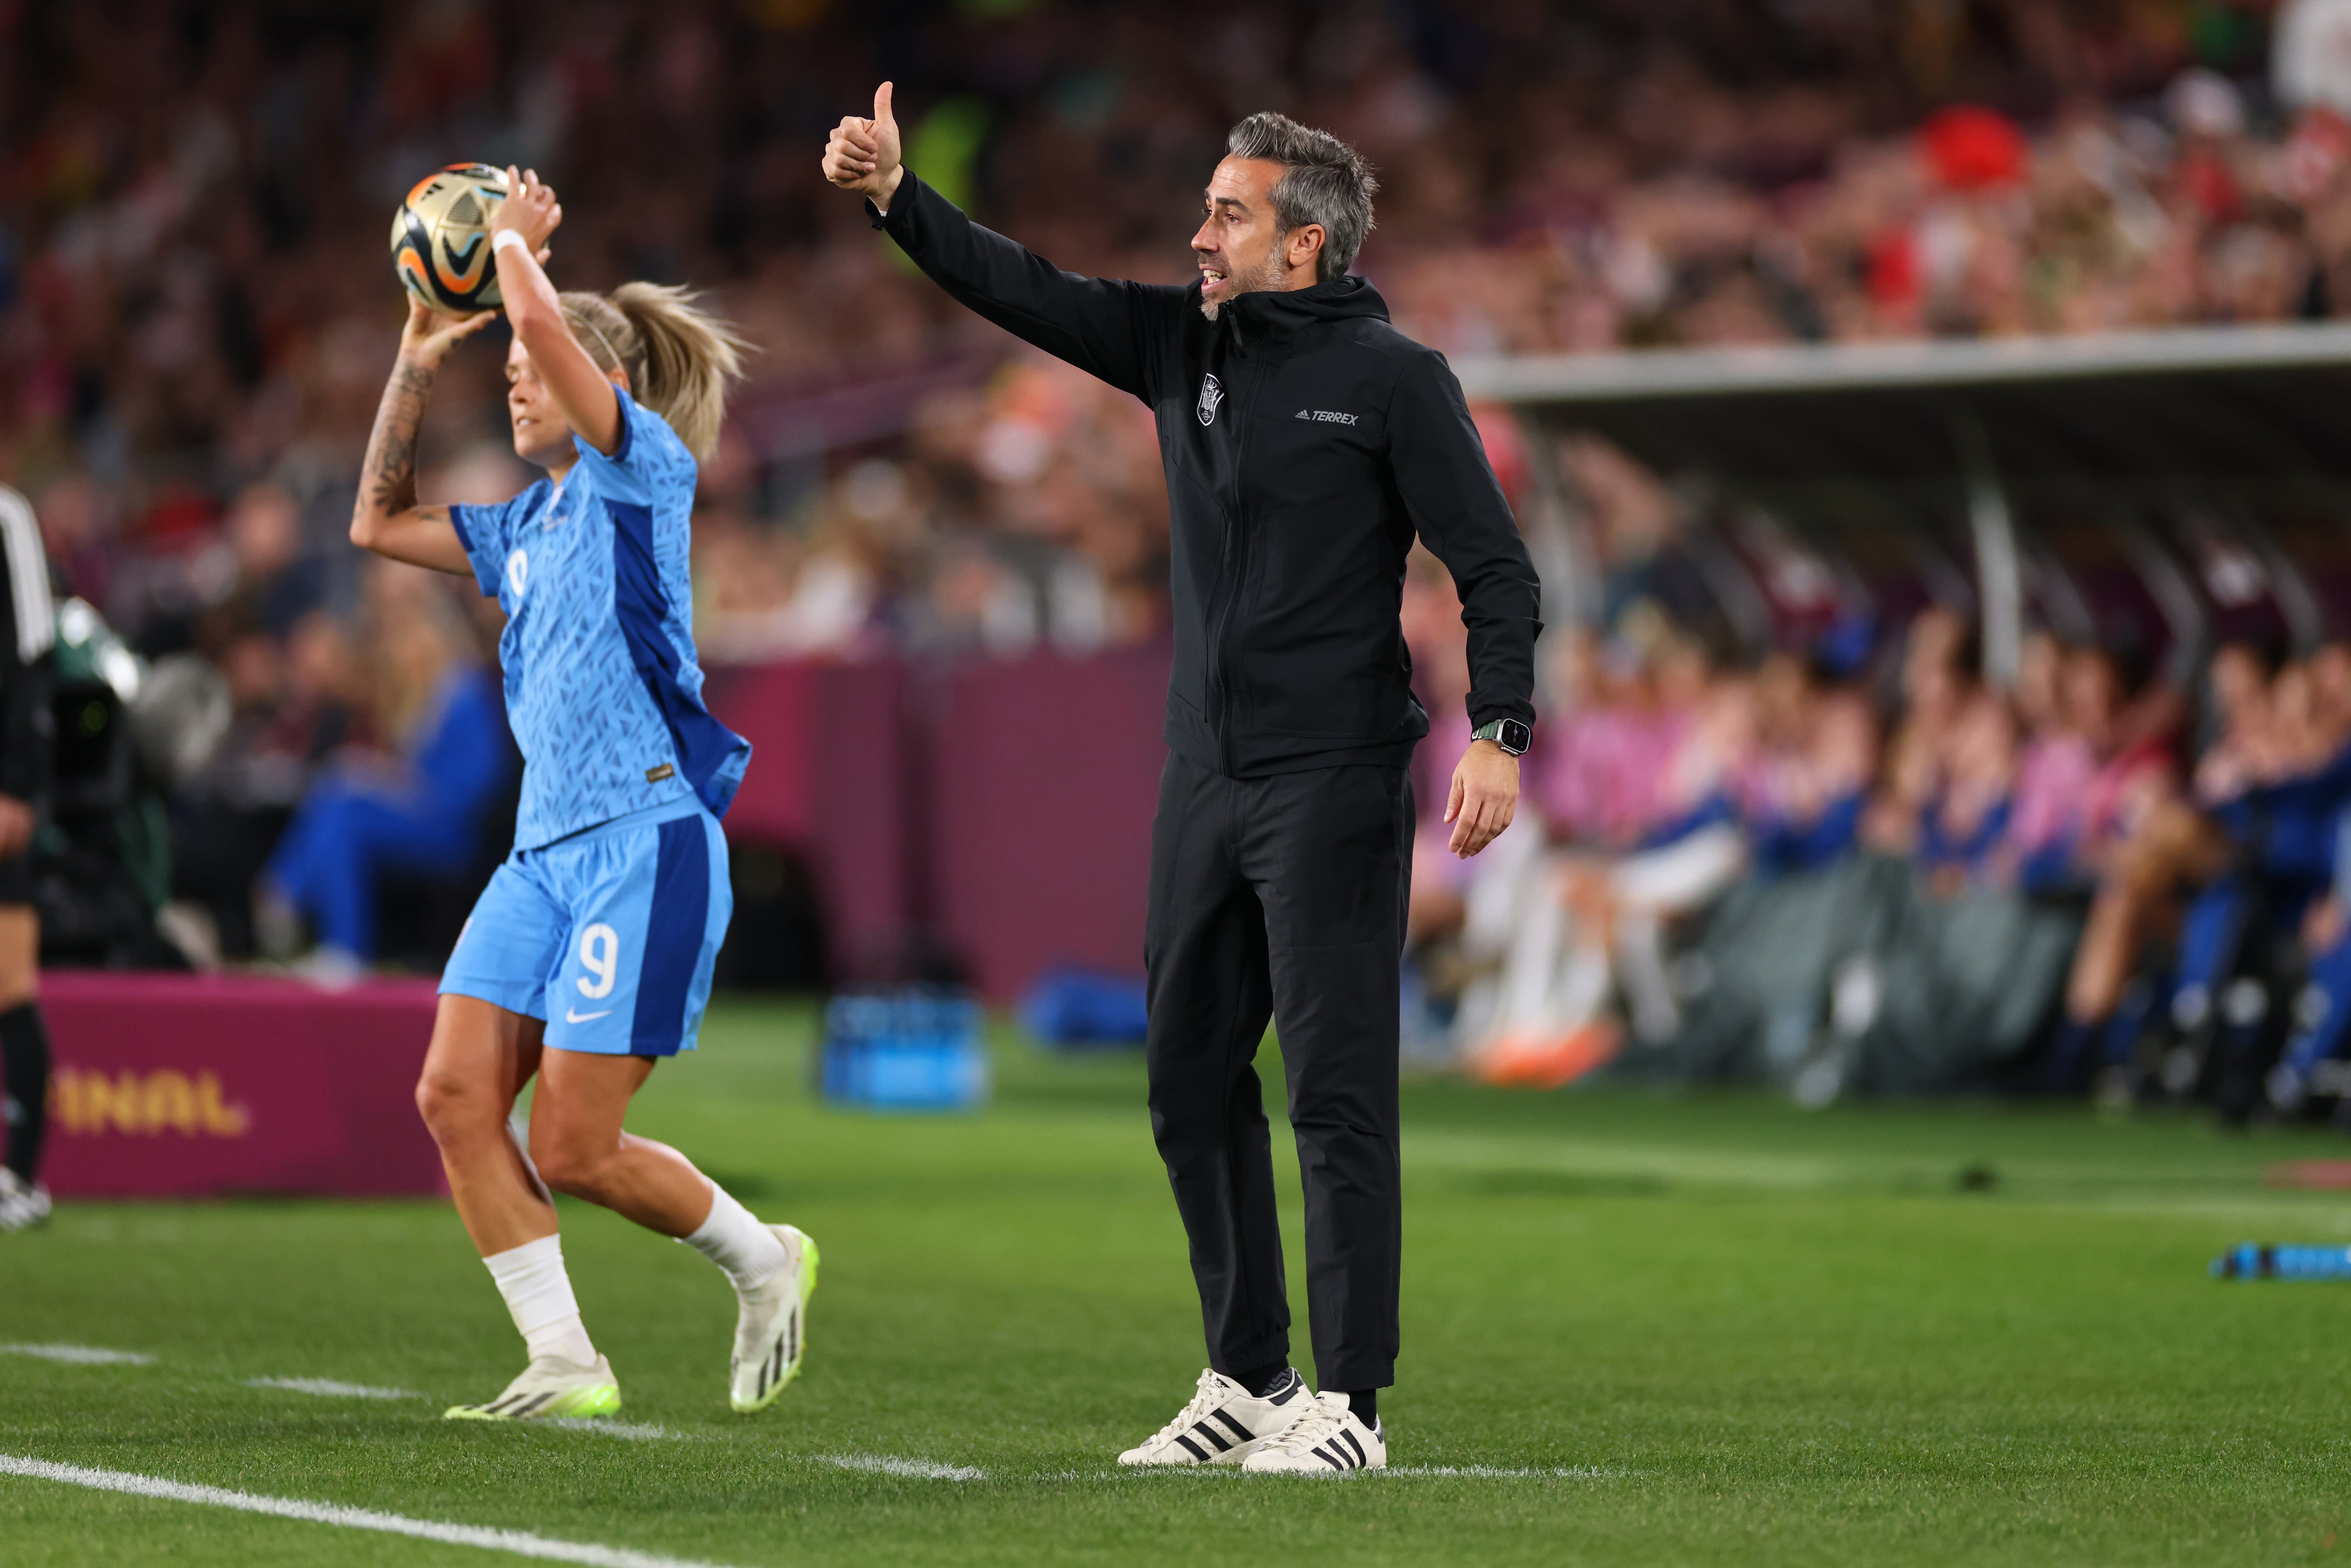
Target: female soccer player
(589,957)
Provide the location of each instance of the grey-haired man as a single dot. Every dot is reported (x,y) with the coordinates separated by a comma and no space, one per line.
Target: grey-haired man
(1306,442)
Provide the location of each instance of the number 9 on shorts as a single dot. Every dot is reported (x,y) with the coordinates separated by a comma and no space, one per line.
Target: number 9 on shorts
(609,936)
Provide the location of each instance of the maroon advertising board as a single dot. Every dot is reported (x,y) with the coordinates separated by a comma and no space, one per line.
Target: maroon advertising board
(196,1086)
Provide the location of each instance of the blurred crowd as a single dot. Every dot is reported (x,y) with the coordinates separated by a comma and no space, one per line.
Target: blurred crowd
(1852,862)
(197,311)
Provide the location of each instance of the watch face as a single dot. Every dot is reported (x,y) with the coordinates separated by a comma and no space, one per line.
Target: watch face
(1515,737)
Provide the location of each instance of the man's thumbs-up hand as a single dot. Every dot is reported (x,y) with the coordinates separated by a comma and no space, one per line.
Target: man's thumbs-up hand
(862,154)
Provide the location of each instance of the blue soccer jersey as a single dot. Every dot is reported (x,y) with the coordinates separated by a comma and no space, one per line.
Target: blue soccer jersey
(603,692)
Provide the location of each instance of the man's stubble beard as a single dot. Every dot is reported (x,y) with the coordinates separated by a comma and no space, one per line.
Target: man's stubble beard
(1265,280)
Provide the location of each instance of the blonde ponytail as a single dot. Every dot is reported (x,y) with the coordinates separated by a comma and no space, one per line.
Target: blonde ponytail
(679,357)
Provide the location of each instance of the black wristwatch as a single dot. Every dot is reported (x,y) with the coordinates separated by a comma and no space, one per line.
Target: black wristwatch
(1507,733)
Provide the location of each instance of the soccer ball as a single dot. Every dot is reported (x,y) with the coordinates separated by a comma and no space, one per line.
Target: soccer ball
(441,238)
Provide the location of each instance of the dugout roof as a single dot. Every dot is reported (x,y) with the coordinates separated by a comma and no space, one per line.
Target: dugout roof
(2184,484)
(2218,403)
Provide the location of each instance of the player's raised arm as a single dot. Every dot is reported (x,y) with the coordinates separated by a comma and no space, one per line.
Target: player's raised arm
(1103,326)
(582,392)
(386,517)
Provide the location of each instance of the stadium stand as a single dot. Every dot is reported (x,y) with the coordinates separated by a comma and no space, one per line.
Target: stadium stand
(1761,719)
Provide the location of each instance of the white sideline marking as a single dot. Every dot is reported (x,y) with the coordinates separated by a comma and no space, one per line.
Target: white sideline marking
(328,1388)
(635,1431)
(1504,1472)
(519,1542)
(79,1354)
(918,1470)
(1473,1472)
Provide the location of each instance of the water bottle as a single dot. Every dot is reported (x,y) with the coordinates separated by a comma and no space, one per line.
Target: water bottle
(2250,1260)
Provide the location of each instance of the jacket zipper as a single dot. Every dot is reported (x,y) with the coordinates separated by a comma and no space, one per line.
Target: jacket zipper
(1235,555)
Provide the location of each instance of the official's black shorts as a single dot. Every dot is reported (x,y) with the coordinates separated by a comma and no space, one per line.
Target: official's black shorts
(16,880)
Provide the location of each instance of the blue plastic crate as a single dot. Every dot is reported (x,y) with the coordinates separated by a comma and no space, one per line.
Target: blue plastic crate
(904,1050)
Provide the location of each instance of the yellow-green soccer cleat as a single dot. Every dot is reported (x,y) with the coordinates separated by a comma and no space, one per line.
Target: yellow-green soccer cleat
(771,1332)
(549,1385)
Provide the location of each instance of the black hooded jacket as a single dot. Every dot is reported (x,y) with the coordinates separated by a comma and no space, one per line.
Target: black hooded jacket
(1306,441)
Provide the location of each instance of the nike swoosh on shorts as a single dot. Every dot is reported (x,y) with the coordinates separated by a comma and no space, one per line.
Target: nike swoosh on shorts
(571,1017)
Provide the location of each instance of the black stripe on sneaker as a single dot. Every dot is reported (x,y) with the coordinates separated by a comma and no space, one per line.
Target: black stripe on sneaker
(1235,1427)
(1349,1439)
(1210,1433)
(531,1407)
(1326,1459)
(1191,1448)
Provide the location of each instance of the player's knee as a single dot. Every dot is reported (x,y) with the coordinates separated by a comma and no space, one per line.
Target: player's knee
(569,1169)
(453,1108)
(567,1162)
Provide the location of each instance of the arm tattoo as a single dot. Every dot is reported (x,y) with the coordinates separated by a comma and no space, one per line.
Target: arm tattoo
(388,476)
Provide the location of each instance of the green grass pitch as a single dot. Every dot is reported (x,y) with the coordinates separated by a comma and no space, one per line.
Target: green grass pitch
(1692,1330)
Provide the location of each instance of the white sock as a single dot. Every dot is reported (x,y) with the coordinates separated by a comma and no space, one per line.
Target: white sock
(734,1239)
(538,1293)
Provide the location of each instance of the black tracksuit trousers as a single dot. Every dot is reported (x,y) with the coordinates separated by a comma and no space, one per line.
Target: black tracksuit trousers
(1283,897)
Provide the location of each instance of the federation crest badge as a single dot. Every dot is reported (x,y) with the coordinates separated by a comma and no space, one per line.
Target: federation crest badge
(1212,393)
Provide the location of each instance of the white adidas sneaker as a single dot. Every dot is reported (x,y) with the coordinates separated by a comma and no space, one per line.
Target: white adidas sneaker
(549,1385)
(24,1206)
(771,1328)
(1224,1424)
(1328,1440)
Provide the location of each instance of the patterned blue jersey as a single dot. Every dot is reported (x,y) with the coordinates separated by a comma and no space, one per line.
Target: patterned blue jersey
(602,690)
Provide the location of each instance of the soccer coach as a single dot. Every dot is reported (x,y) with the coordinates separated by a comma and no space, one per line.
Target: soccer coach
(1306,442)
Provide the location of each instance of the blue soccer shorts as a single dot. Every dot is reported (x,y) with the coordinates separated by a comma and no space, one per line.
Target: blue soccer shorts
(609,935)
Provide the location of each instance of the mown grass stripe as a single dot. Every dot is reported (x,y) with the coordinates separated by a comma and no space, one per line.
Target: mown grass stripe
(516,1542)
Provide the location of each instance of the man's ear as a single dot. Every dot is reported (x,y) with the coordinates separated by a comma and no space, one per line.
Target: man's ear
(1304,246)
